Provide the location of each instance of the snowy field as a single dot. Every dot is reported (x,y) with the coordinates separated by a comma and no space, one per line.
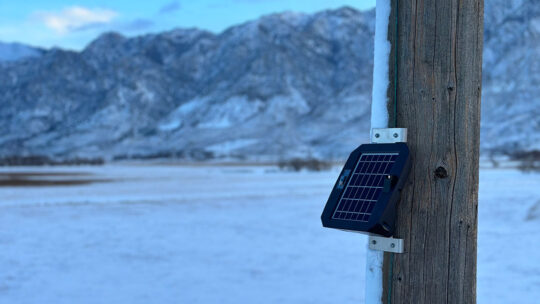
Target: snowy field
(181,234)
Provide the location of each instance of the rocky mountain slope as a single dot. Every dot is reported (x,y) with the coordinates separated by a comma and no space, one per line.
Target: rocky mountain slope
(282,86)
(17,51)
(511,76)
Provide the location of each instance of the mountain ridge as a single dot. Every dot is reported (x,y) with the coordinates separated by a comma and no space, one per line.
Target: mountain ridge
(283,86)
(10,52)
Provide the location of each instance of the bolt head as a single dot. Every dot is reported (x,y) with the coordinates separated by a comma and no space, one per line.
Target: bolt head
(377,135)
(392,245)
(374,242)
(395,135)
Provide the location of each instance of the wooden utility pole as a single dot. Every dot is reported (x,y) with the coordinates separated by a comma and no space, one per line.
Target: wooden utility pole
(439,68)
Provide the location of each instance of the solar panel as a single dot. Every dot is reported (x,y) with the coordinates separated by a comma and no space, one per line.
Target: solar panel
(367,190)
(365,186)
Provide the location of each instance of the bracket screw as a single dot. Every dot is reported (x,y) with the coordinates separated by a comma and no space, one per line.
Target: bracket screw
(377,135)
(374,242)
(395,135)
(392,245)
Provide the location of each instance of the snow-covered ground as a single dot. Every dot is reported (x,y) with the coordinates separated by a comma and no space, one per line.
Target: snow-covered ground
(187,234)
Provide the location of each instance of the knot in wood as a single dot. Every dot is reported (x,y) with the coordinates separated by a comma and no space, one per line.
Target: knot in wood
(441,172)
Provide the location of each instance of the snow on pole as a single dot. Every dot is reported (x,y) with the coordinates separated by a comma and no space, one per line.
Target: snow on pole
(379,119)
(374,276)
(381,81)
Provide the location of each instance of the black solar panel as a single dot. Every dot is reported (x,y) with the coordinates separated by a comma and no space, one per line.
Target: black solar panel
(365,186)
(365,194)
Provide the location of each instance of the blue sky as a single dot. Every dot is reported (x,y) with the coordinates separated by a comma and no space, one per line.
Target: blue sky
(73,24)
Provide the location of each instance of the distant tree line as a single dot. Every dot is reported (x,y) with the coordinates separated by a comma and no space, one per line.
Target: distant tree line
(39,160)
(310,164)
(529,160)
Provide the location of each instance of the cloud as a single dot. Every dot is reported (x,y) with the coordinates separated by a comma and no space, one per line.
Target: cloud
(76,18)
(170,7)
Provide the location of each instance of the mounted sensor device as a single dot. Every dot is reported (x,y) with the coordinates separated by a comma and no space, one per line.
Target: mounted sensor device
(365,195)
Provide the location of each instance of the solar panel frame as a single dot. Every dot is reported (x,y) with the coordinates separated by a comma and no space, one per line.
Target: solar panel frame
(381,220)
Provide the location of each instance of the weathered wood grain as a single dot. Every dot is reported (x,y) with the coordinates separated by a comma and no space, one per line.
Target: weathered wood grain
(439,70)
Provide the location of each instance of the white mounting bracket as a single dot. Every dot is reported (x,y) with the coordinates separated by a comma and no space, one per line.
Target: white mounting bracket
(385,244)
(387,136)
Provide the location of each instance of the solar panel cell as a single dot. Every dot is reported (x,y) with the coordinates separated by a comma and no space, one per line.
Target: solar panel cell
(364,187)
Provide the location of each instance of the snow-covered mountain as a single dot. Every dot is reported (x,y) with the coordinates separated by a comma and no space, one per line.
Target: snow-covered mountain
(511,76)
(282,86)
(17,51)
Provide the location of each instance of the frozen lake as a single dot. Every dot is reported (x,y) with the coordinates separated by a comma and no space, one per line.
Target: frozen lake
(187,234)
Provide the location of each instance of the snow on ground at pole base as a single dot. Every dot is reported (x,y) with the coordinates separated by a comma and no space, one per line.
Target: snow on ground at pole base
(225,234)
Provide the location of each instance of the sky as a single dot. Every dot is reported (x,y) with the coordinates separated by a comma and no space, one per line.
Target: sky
(73,24)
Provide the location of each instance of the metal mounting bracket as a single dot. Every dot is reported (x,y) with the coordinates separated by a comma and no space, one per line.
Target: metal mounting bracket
(388,135)
(385,244)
